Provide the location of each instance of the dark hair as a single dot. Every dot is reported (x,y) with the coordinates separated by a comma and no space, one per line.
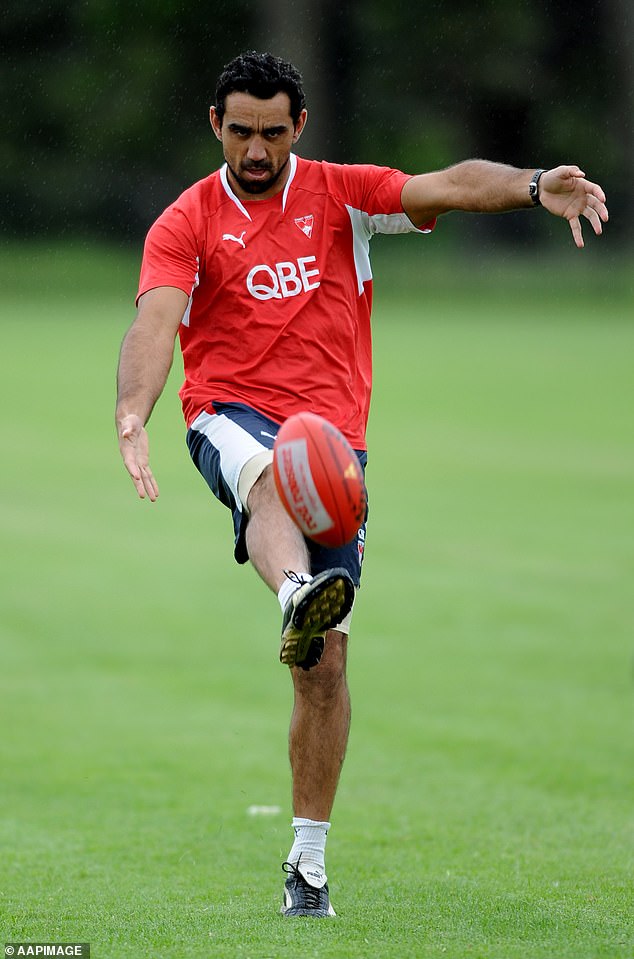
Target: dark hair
(262,75)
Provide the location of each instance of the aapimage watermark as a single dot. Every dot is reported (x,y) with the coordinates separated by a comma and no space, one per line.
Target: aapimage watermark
(14,950)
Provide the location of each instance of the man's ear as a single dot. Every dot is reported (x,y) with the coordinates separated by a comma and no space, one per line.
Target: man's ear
(216,123)
(299,126)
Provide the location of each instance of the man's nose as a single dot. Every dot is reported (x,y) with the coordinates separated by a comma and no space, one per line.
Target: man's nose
(257,150)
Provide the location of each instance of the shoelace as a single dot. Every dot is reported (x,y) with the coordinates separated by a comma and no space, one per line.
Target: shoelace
(295,577)
(311,897)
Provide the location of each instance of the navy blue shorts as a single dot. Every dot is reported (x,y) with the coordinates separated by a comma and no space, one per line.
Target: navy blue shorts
(221,443)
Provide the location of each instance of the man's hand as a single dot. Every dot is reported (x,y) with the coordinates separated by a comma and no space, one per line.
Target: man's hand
(565,192)
(134,447)
(144,364)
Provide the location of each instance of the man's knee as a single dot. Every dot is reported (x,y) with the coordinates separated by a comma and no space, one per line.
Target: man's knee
(323,681)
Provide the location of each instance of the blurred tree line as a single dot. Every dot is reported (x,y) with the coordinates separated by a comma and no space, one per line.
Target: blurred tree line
(106,101)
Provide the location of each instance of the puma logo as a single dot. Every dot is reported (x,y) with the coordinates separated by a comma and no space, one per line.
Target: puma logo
(236,239)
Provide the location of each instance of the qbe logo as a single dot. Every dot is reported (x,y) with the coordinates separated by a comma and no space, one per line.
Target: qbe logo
(289,278)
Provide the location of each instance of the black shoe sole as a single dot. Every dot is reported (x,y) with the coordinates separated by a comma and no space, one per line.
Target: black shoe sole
(323,607)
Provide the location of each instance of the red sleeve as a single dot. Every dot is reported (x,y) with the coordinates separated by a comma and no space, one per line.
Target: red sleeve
(376,190)
(170,254)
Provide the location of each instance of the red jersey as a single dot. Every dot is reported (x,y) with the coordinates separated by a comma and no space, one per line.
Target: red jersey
(280,289)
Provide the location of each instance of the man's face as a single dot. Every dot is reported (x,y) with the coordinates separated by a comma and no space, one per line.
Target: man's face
(257,137)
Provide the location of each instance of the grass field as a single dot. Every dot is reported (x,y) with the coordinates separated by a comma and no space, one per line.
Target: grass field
(486,806)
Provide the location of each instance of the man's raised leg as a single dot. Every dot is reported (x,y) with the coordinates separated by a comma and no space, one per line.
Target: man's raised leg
(311,604)
(274,543)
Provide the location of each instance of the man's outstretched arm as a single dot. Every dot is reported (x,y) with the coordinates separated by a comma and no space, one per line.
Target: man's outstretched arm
(144,364)
(479,186)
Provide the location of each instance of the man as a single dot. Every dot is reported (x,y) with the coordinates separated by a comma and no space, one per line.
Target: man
(262,269)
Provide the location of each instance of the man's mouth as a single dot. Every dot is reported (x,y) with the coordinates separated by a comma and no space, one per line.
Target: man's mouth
(256,172)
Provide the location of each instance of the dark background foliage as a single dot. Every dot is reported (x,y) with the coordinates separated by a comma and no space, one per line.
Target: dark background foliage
(106,101)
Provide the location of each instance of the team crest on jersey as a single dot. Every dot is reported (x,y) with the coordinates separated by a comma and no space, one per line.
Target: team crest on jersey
(305,223)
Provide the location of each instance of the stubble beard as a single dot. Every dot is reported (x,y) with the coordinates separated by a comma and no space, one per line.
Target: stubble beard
(257,186)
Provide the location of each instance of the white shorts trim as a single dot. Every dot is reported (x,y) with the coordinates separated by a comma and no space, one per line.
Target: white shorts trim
(250,473)
(236,447)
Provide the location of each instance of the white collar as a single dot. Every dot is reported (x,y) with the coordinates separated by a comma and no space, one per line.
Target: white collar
(224,179)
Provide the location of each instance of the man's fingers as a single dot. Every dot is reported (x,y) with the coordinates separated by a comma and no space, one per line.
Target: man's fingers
(134,450)
(144,481)
(595,211)
(597,192)
(577,235)
(596,201)
(564,173)
(595,220)
(135,471)
(149,483)
(581,199)
(139,486)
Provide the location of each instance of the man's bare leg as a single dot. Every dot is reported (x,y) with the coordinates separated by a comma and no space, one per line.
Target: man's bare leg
(320,724)
(273,541)
(317,744)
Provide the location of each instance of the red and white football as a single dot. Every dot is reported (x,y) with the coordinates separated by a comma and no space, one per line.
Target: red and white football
(319,479)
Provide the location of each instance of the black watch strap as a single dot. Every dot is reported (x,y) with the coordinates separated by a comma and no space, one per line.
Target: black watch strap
(533,187)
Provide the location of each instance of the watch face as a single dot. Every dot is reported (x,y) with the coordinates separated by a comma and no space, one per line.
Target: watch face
(533,188)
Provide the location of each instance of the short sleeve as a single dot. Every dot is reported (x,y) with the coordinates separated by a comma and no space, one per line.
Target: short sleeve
(374,194)
(170,254)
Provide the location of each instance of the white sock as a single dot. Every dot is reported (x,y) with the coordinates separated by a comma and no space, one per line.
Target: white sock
(309,850)
(289,586)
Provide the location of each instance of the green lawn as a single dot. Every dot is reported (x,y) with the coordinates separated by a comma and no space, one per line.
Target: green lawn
(486,806)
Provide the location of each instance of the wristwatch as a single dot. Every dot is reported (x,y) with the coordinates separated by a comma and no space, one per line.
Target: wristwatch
(533,187)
